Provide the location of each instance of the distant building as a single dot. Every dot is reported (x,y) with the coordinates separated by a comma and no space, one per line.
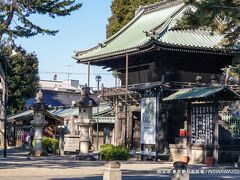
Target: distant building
(59,96)
(66,85)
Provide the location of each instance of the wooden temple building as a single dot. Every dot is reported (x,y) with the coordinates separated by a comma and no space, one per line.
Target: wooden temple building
(154,60)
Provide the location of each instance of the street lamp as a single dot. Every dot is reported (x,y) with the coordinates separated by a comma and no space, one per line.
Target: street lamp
(98,78)
(5,109)
(5,102)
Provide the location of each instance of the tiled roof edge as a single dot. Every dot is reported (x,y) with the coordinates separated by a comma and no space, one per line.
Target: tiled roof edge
(145,9)
(110,38)
(159,5)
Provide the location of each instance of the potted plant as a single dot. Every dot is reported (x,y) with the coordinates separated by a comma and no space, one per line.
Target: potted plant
(209,160)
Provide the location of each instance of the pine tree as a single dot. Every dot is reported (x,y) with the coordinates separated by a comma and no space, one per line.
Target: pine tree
(221,15)
(20,11)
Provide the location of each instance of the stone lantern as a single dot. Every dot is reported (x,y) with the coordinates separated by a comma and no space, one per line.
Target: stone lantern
(38,123)
(85,120)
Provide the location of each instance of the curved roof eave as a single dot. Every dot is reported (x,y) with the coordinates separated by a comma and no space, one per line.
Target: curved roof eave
(113,36)
(212,50)
(144,10)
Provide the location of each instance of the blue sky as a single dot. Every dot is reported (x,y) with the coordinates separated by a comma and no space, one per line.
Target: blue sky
(82,30)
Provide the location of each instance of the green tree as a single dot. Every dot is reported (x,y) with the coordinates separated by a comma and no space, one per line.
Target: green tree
(22,76)
(20,11)
(221,15)
(122,12)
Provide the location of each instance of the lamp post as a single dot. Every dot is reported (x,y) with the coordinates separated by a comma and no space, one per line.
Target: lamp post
(98,78)
(5,110)
(5,102)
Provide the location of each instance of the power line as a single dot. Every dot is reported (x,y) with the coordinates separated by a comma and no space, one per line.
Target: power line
(72,73)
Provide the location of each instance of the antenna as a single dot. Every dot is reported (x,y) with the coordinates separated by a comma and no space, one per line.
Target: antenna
(68,70)
(55,77)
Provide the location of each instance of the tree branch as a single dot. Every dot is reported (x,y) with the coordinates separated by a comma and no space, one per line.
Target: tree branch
(8,21)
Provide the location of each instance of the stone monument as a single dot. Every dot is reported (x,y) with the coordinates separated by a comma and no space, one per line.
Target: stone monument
(38,123)
(112,171)
(85,121)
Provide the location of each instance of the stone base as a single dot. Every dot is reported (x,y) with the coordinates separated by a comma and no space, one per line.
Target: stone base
(86,157)
(112,171)
(112,174)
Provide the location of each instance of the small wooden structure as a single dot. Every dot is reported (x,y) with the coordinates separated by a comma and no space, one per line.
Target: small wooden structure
(19,125)
(202,137)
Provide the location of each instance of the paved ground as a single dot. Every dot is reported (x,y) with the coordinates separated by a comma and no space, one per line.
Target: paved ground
(16,166)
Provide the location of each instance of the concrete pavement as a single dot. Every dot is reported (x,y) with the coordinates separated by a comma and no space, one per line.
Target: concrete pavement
(17,166)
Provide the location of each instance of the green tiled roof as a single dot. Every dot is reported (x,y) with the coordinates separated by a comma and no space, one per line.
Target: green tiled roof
(200,93)
(192,38)
(132,35)
(28,114)
(67,112)
(152,24)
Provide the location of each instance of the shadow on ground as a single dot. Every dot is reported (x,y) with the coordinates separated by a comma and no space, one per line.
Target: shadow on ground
(19,159)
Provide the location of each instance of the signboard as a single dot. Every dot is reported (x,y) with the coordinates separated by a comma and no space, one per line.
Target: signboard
(71,143)
(202,124)
(148,120)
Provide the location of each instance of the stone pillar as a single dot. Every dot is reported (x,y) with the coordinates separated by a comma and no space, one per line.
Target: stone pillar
(61,140)
(112,171)
(85,121)
(38,123)
(84,139)
(118,124)
(129,129)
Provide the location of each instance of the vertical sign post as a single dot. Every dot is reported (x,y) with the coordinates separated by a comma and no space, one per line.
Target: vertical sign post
(148,121)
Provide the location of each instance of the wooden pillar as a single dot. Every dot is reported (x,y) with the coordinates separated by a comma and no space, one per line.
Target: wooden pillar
(14,133)
(157,127)
(126,100)
(189,129)
(215,133)
(2,102)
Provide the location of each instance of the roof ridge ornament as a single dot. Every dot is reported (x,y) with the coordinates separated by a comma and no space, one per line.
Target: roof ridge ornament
(138,10)
(102,45)
(151,34)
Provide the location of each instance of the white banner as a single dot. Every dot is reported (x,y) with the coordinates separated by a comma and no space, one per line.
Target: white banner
(148,120)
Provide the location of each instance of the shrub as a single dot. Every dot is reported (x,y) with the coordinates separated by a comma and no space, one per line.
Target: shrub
(50,144)
(110,152)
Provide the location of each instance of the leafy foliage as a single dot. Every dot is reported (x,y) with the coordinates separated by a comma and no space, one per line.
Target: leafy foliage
(111,152)
(22,76)
(122,12)
(50,144)
(232,73)
(20,11)
(221,15)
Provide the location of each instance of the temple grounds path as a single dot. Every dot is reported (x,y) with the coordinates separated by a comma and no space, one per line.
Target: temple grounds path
(17,167)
